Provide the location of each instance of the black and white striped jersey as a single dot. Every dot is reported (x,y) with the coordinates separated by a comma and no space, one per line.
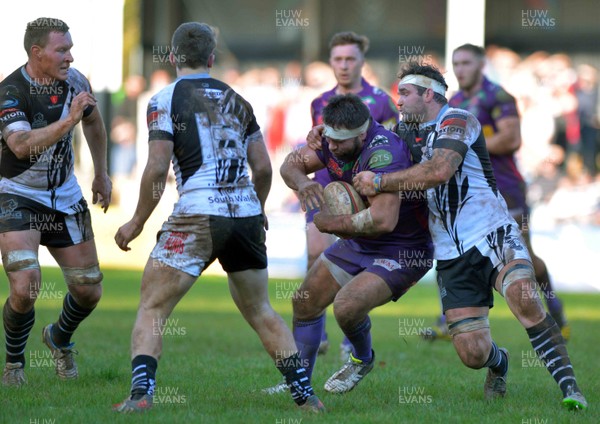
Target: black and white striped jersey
(468,206)
(211,127)
(46,174)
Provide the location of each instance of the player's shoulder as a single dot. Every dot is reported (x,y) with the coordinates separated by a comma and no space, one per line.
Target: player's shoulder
(456,98)
(383,148)
(14,81)
(324,96)
(165,94)
(77,80)
(499,93)
(381,94)
(457,123)
(457,113)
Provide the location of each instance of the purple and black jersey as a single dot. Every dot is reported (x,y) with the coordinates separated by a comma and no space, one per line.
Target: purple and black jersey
(384,152)
(381,106)
(489,105)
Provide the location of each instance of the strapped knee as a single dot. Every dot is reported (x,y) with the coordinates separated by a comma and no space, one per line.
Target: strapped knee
(82,276)
(516,272)
(20,260)
(467,325)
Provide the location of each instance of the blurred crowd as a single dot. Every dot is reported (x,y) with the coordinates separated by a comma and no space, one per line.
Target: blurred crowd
(558,101)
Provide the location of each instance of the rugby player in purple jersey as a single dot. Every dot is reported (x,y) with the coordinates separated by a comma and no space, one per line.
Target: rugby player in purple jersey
(365,268)
(347,57)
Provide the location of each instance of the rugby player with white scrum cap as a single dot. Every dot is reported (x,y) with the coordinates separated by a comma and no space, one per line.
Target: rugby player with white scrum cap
(478,245)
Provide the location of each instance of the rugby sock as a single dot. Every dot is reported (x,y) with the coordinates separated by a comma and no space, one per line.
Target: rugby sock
(360,337)
(307,335)
(143,376)
(497,361)
(71,315)
(549,345)
(295,377)
(16,329)
(324,334)
(554,305)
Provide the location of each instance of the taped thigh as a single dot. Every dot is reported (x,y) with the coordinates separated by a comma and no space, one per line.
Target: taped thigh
(82,276)
(20,260)
(466,325)
(516,272)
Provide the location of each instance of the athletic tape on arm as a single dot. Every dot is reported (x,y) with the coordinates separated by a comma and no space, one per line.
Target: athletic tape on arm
(362,222)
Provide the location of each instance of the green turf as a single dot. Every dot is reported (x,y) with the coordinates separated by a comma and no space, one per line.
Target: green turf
(213,364)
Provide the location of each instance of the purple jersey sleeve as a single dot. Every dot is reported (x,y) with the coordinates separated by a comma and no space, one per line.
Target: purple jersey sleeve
(504,105)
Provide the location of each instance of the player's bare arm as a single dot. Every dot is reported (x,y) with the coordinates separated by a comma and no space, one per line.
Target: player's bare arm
(379,218)
(95,135)
(151,190)
(422,176)
(295,170)
(260,164)
(262,173)
(22,143)
(507,139)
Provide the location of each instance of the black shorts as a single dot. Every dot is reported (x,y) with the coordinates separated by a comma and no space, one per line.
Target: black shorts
(190,243)
(469,279)
(57,229)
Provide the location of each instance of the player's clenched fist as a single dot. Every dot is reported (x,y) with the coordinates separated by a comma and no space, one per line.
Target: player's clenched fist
(79,104)
(363,183)
(311,195)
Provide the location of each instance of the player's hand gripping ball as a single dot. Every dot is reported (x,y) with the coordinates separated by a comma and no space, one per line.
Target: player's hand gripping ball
(342,199)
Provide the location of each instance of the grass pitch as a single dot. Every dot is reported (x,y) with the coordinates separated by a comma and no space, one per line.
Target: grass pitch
(213,365)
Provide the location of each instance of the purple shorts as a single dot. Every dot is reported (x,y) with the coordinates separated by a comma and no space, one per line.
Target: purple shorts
(399,266)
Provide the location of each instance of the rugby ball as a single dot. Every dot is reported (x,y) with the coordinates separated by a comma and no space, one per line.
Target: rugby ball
(342,199)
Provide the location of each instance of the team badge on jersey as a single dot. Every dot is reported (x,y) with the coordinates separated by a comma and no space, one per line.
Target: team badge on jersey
(379,140)
(379,159)
(152,118)
(454,127)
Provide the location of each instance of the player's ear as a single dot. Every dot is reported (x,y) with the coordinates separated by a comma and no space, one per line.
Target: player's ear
(429,94)
(172,59)
(210,61)
(36,51)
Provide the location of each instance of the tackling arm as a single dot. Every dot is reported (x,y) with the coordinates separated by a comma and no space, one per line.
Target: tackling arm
(438,170)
